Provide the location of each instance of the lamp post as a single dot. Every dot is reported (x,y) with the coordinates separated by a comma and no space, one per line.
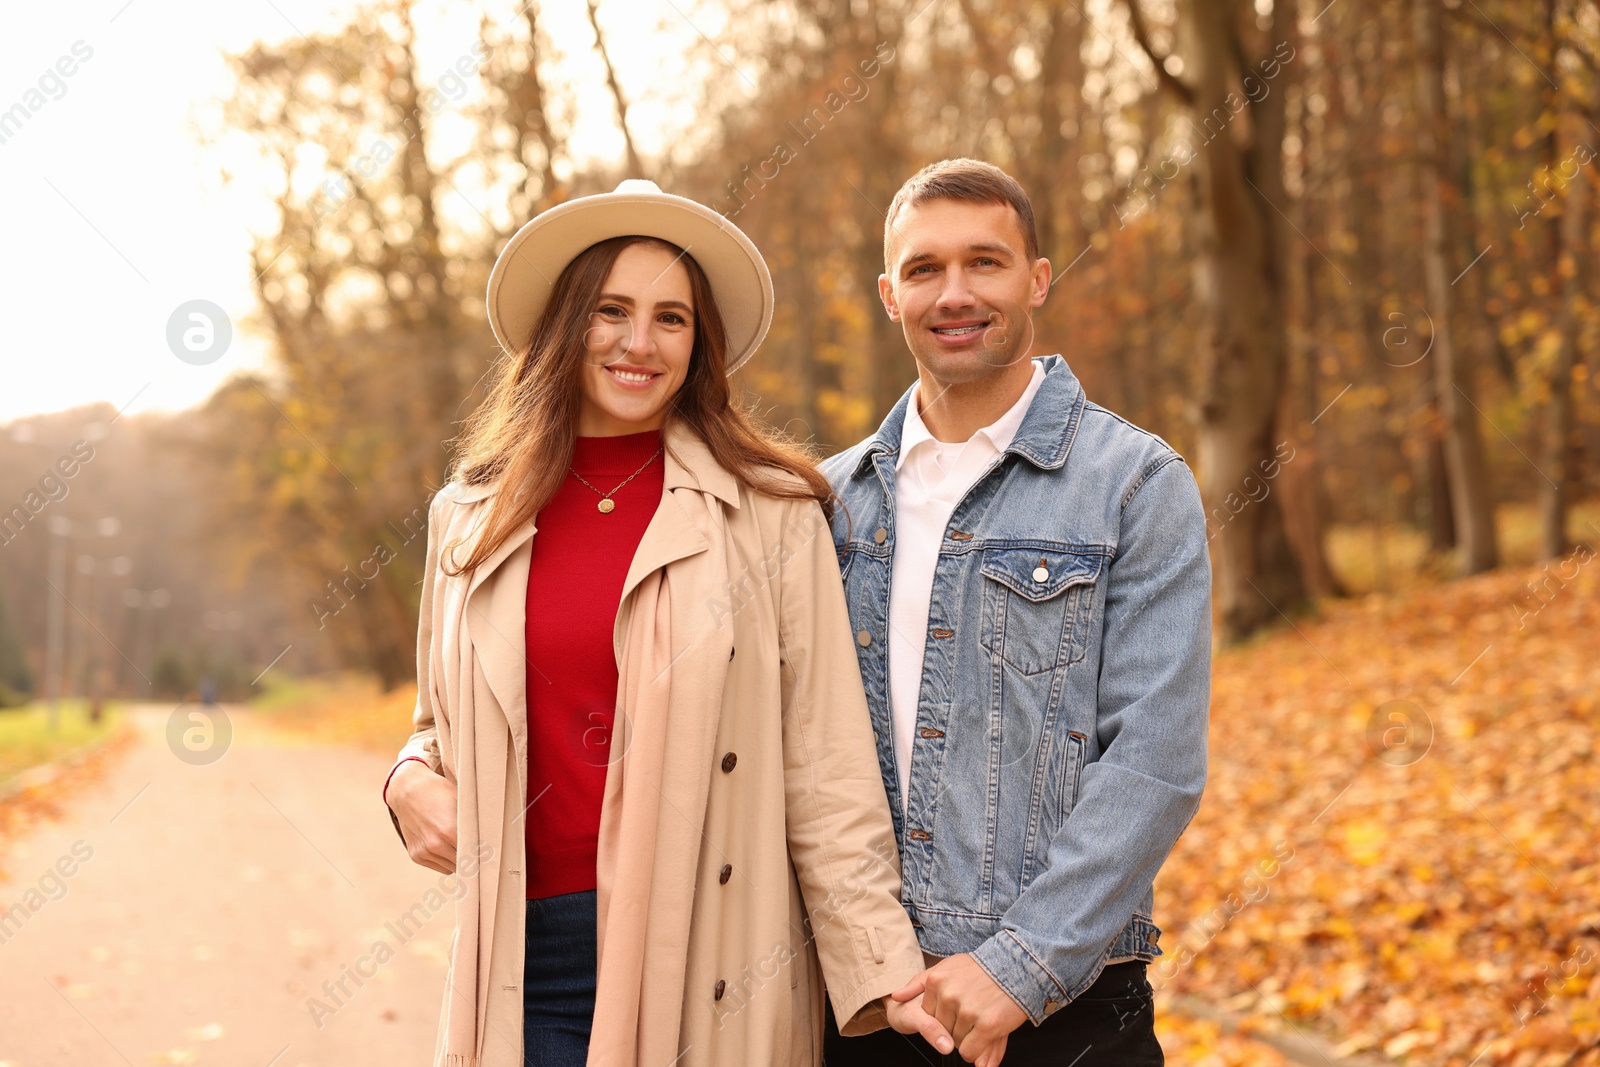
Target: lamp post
(144,601)
(61,528)
(55,615)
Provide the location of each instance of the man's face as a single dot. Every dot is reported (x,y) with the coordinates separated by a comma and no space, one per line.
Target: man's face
(961,285)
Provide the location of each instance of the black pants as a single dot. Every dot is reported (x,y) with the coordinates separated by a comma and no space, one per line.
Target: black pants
(1111,1025)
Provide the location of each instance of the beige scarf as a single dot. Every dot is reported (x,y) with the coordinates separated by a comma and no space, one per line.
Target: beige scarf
(655,803)
(464,1006)
(486,770)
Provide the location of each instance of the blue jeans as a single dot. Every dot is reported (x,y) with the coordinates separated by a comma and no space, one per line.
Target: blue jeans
(558,980)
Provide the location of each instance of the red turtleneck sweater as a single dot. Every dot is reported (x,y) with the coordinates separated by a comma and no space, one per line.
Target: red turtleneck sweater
(580,560)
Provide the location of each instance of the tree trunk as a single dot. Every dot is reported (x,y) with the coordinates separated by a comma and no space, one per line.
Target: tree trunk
(1465,465)
(1441,514)
(1054,181)
(884,167)
(1559,459)
(1239,279)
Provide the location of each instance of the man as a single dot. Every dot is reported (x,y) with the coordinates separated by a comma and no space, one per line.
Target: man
(1028,579)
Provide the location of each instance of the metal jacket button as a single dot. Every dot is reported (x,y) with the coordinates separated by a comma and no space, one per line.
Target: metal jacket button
(1041,573)
(863,638)
(727,872)
(728,761)
(880,535)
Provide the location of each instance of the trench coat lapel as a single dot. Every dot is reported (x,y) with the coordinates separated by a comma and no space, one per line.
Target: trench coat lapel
(496,623)
(672,535)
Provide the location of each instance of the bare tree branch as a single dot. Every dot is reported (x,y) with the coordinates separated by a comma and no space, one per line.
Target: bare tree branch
(1169,81)
(635,169)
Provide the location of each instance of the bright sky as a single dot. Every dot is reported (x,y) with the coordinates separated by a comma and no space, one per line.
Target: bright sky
(115,215)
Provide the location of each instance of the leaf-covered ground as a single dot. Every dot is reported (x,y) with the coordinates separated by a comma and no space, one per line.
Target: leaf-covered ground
(25,808)
(1397,850)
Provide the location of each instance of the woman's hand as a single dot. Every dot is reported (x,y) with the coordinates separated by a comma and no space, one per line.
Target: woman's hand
(969,1005)
(909,1018)
(425,804)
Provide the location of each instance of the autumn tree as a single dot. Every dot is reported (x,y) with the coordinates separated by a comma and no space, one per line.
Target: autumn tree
(1470,490)
(1229,82)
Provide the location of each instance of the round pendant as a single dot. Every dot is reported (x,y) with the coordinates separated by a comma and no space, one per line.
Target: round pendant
(607,505)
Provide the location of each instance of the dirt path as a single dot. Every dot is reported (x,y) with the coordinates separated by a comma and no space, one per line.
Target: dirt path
(246,912)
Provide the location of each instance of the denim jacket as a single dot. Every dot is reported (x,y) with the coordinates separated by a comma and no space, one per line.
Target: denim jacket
(1060,744)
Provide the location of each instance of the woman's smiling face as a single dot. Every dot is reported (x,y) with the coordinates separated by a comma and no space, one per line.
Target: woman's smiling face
(638,343)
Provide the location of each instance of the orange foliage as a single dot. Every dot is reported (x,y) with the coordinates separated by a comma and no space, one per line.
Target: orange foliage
(1397,851)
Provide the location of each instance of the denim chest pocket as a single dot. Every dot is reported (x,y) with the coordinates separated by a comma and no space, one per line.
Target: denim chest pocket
(1036,604)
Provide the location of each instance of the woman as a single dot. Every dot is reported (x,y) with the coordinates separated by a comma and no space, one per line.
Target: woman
(671,883)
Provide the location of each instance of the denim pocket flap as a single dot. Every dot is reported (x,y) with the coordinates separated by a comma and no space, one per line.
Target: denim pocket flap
(1041,573)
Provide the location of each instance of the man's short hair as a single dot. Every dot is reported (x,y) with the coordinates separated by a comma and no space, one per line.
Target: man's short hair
(971,180)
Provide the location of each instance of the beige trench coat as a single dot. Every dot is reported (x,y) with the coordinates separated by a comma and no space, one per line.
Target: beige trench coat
(768,773)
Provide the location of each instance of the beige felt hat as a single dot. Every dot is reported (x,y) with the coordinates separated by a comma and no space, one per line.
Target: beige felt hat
(528,266)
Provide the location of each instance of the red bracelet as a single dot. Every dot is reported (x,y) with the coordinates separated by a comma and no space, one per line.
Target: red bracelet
(396,767)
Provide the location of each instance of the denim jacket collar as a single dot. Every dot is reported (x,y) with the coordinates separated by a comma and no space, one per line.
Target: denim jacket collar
(1043,439)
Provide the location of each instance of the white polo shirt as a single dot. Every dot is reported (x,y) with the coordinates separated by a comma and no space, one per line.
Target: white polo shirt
(931,477)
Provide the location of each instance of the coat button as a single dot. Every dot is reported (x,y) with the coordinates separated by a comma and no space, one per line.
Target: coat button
(863,638)
(880,535)
(1041,573)
(722,987)
(728,761)
(727,872)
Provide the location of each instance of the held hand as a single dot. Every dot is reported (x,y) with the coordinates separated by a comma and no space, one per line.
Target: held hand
(425,804)
(967,1002)
(991,1056)
(909,1018)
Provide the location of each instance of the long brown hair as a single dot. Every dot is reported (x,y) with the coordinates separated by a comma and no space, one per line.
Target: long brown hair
(522,434)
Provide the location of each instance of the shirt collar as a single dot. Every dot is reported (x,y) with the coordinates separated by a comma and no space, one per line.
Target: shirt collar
(998,434)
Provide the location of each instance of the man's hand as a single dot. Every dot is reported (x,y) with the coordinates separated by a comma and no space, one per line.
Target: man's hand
(908,1018)
(967,1003)
(425,804)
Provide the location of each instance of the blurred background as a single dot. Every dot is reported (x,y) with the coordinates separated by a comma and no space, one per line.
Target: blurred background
(1339,254)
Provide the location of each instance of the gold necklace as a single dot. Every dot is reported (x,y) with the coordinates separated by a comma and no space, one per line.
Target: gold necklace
(607,505)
